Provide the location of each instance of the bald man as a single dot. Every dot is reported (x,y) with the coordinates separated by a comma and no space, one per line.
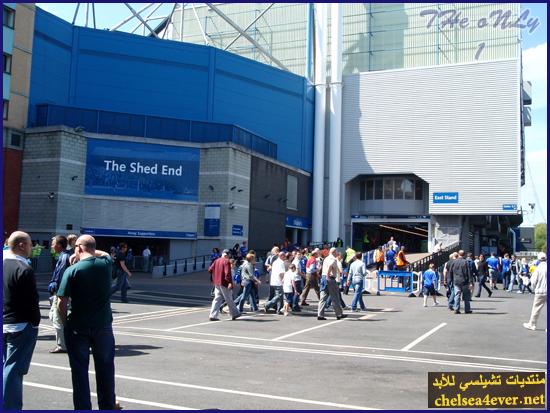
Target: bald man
(329,286)
(89,325)
(21,317)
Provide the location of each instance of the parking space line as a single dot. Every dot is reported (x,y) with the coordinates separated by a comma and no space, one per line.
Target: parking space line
(156,317)
(422,337)
(122,399)
(146,314)
(222,390)
(205,322)
(306,330)
(332,353)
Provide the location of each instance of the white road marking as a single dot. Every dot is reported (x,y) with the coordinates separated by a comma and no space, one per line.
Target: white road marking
(122,399)
(146,314)
(472,356)
(306,330)
(368,316)
(330,352)
(422,337)
(205,323)
(220,390)
(156,317)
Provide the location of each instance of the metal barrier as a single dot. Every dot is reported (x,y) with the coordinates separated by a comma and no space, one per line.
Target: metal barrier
(399,281)
(181,266)
(438,258)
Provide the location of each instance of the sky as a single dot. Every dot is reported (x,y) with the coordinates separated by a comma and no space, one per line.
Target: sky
(534,45)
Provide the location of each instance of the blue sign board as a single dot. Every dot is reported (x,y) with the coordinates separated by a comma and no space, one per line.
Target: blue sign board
(298,222)
(445,198)
(141,170)
(139,233)
(237,230)
(212,220)
(509,207)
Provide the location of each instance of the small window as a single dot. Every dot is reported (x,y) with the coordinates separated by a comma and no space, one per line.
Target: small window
(9,17)
(15,139)
(7,63)
(291,192)
(370,189)
(418,190)
(378,188)
(388,188)
(408,188)
(6,109)
(398,188)
(362,194)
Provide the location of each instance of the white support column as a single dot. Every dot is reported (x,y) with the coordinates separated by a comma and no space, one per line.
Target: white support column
(321,23)
(335,157)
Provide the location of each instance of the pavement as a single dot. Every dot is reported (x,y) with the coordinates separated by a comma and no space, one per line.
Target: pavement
(169,356)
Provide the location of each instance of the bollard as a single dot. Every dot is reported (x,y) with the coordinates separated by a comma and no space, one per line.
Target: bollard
(195,264)
(185,266)
(175,266)
(164,272)
(203,262)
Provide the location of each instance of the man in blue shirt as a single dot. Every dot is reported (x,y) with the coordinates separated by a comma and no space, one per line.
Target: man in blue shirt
(243,249)
(59,245)
(430,278)
(493,264)
(506,271)
(390,259)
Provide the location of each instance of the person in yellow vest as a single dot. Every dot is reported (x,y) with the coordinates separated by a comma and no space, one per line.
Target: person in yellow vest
(36,250)
(379,258)
(366,241)
(401,260)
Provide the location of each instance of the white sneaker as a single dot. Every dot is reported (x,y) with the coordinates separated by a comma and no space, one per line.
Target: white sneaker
(529,326)
(519,292)
(425,305)
(436,304)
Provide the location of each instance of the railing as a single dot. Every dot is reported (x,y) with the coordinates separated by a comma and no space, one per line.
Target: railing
(438,258)
(118,123)
(181,266)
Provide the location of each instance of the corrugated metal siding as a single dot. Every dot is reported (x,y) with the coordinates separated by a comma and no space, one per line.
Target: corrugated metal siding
(144,215)
(456,127)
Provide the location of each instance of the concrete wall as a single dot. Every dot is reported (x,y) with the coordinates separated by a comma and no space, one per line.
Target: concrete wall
(268,211)
(98,69)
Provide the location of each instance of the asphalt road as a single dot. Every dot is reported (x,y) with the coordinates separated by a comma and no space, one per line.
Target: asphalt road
(169,356)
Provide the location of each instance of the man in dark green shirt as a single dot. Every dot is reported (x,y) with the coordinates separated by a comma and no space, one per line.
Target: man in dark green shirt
(88,323)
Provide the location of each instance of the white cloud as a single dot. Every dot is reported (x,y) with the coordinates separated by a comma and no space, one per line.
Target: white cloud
(534,70)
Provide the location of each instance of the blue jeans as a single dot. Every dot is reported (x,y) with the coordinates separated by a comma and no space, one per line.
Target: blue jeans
(277,298)
(464,291)
(122,285)
(102,343)
(358,296)
(246,294)
(451,296)
(17,353)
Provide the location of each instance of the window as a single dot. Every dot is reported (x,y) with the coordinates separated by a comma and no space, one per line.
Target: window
(378,188)
(15,139)
(7,63)
(362,194)
(388,188)
(408,188)
(291,192)
(6,109)
(9,17)
(370,189)
(418,190)
(398,188)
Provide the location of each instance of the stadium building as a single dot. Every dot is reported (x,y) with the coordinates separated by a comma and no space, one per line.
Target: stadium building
(271,121)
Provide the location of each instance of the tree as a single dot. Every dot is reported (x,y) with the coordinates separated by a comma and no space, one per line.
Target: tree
(540,237)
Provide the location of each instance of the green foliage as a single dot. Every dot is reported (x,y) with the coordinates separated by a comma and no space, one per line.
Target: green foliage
(540,237)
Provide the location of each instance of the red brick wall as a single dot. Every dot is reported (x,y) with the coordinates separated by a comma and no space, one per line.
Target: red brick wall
(12,187)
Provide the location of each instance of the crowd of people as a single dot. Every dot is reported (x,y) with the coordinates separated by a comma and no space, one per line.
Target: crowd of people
(85,278)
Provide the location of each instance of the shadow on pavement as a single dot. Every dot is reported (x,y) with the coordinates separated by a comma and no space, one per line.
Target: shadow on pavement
(133,350)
